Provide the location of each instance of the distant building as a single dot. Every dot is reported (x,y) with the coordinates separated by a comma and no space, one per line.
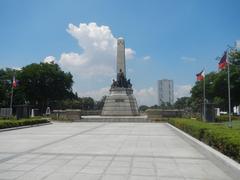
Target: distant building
(237,44)
(165,91)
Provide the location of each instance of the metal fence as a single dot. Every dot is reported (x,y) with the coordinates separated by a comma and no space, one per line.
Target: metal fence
(5,112)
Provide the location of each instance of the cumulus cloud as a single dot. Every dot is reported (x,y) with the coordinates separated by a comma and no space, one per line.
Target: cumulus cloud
(129,53)
(188,59)
(50,59)
(17,68)
(98,51)
(182,91)
(95,94)
(146,96)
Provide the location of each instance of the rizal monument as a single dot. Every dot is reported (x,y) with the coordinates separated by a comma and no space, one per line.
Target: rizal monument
(121,101)
(120,105)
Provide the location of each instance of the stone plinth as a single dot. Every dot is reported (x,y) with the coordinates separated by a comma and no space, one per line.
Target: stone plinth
(114,119)
(66,115)
(120,102)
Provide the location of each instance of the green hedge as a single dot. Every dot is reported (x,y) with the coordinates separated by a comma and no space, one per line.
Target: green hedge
(224,118)
(222,138)
(22,122)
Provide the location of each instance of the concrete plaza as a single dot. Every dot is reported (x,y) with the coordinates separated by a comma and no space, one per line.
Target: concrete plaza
(109,151)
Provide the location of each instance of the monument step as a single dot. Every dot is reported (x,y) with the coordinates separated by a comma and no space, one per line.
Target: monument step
(114,119)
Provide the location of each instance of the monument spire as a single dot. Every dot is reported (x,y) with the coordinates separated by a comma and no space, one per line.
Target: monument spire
(121,66)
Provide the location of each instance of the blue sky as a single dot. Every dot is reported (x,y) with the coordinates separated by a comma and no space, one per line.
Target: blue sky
(171,39)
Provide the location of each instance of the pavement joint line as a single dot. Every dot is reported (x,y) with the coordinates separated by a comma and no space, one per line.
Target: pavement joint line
(133,135)
(83,167)
(131,164)
(117,155)
(49,174)
(154,165)
(36,166)
(113,157)
(50,143)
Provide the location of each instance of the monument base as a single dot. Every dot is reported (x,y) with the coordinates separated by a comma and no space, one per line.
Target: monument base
(114,119)
(120,102)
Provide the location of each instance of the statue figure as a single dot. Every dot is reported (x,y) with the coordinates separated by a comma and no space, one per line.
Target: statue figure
(114,84)
(120,78)
(121,81)
(129,84)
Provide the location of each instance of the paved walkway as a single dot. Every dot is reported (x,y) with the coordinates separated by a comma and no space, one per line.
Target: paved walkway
(109,151)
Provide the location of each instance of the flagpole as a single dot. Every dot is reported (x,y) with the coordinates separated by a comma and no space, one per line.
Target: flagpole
(204,99)
(229,95)
(11,101)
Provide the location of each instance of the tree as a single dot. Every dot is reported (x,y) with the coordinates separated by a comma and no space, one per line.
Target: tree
(143,108)
(216,84)
(6,76)
(43,83)
(234,57)
(5,87)
(100,103)
(87,103)
(220,87)
(197,91)
(182,103)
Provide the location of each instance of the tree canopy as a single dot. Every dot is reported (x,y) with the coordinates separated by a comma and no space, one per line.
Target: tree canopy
(44,82)
(42,85)
(216,84)
(38,84)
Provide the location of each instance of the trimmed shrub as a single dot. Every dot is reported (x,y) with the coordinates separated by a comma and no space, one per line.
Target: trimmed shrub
(23,122)
(224,118)
(219,137)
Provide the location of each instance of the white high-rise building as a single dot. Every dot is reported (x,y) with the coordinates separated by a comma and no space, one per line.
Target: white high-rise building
(237,44)
(165,91)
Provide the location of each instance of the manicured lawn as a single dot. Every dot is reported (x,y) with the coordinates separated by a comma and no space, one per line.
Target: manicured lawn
(9,123)
(216,135)
(235,124)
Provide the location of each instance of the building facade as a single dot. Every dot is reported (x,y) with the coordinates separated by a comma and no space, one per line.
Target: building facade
(237,45)
(165,91)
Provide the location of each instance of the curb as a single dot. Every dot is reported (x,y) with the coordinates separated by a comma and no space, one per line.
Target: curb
(23,127)
(228,165)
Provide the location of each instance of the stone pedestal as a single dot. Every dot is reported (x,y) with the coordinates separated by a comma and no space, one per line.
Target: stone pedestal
(120,102)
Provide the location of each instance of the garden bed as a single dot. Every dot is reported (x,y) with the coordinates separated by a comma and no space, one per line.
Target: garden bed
(221,138)
(23,122)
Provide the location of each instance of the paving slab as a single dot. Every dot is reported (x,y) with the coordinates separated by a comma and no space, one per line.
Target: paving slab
(103,151)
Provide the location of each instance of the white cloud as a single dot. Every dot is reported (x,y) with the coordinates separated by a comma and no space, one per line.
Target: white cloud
(129,53)
(50,59)
(17,68)
(95,94)
(182,91)
(146,96)
(99,51)
(188,59)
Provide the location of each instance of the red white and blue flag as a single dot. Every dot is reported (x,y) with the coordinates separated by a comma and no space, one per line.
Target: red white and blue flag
(223,62)
(14,82)
(200,76)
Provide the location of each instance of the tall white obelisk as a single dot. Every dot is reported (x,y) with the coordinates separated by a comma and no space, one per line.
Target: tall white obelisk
(121,56)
